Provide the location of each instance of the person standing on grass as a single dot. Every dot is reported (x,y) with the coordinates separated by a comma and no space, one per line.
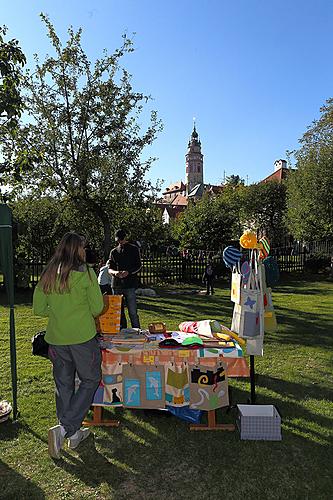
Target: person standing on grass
(104,279)
(208,277)
(124,265)
(68,294)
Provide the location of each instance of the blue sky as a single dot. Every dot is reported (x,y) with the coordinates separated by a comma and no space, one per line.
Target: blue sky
(254,73)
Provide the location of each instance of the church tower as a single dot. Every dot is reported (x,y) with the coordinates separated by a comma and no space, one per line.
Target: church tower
(194,162)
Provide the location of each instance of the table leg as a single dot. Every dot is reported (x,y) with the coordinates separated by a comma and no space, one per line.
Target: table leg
(212,425)
(98,419)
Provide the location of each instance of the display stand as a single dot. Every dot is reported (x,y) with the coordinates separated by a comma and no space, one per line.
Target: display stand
(212,425)
(252,381)
(99,420)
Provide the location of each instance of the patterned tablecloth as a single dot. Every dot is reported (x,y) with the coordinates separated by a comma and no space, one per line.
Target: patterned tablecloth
(115,358)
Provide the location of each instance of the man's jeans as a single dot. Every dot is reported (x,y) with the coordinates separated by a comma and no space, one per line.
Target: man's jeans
(130,297)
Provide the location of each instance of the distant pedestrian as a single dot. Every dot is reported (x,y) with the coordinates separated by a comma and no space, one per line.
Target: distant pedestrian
(208,277)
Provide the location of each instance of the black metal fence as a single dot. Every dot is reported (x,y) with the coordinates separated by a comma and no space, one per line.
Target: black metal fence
(171,266)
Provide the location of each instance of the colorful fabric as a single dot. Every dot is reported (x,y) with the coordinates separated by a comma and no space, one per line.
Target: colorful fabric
(204,327)
(149,356)
(177,388)
(231,256)
(143,386)
(208,387)
(264,247)
(236,283)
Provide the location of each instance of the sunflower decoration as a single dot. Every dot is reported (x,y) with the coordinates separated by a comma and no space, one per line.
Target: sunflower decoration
(248,240)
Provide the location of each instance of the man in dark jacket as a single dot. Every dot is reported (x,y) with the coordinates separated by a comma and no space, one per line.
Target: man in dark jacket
(124,265)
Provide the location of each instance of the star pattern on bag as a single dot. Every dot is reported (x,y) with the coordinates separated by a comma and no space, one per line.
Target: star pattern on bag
(249,302)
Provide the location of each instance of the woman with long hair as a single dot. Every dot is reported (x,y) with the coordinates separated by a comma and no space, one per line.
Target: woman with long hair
(69,296)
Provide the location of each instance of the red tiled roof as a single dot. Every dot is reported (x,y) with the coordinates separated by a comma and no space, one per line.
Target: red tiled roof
(279,175)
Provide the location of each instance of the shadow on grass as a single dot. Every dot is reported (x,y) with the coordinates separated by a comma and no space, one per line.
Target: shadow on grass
(303,328)
(13,484)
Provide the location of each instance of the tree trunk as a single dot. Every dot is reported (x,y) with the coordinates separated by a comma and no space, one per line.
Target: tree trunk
(107,238)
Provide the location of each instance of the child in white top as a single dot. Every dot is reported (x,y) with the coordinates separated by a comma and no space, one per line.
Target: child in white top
(104,279)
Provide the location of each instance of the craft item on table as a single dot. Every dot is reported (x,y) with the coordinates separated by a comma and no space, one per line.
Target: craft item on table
(181,339)
(204,328)
(208,386)
(264,246)
(221,336)
(110,390)
(143,386)
(272,271)
(177,388)
(248,240)
(157,327)
(231,256)
(233,335)
(137,331)
(219,343)
(109,319)
(129,338)
(236,286)
(170,343)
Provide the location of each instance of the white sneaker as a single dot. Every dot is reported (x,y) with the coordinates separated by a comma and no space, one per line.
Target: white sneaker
(78,437)
(56,440)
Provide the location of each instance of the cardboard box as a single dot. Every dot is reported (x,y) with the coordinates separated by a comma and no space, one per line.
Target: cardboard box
(259,422)
(109,320)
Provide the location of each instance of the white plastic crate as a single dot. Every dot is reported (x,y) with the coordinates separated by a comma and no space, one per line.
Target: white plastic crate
(259,422)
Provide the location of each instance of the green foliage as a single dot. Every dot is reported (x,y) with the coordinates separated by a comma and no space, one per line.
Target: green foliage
(263,208)
(41,225)
(206,224)
(12,60)
(310,187)
(318,262)
(82,136)
(234,180)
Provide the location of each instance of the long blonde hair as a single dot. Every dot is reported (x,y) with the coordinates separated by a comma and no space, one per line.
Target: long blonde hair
(66,258)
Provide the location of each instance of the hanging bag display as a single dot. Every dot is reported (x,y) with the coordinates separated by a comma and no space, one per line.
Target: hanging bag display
(208,386)
(246,315)
(269,313)
(143,386)
(236,285)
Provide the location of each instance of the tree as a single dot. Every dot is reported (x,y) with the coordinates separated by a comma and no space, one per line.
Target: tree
(234,180)
(83,137)
(263,208)
(12,61)
(205,225)
(310,187)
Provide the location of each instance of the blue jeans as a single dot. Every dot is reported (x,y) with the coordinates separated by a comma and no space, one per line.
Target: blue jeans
(85,359)
(130,298)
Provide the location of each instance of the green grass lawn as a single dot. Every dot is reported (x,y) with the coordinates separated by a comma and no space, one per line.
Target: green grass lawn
(155,456)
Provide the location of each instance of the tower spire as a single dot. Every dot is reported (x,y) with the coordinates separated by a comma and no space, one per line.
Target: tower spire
(194,161)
